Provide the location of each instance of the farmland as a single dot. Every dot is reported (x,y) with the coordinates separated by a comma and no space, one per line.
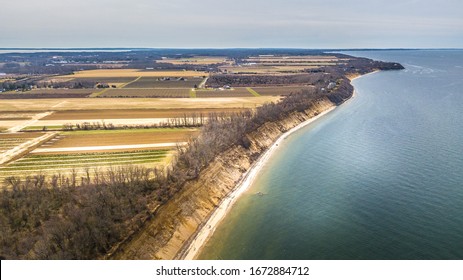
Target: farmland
(119,137)
(280,64)
(196,60)
(272,91)
(10,140)
(133,113)
(235,92)
(135,73)
(47,93)
(134,99)
(175,82)
(28,106)
(147,93)
(75,151)
(80,163)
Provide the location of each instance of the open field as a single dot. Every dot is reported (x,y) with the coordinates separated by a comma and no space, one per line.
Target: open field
(235,92)
(41,105)
(254,91)
(133,113)
(12,116)
(65,164)
(149,82)
(117,73)
(47,93)
(141,93)
(272,91)
(196,60)
(119,137)
(107,80)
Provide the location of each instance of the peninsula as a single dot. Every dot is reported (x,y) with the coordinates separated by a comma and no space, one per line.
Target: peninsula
(138,155)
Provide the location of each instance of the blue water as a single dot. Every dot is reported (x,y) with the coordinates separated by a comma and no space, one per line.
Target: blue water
(381,177)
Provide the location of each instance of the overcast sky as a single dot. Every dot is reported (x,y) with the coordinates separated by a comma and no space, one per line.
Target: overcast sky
(232,23)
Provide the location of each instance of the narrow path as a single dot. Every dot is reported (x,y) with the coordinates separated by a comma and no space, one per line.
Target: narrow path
(253,92)
(203,83)
(24,147)
(126,84)
(30,122)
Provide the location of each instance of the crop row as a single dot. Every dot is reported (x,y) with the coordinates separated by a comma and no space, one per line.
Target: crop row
(79,156)
(8,143)
(84,161)
(115,162)
(65,163)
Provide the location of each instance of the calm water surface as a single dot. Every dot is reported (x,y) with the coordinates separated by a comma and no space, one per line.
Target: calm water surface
(381,177)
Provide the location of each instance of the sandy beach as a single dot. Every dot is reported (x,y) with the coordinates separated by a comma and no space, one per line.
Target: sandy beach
(195,245)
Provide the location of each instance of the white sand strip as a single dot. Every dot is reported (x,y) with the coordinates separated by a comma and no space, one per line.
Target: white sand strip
(194,247)
(105,148)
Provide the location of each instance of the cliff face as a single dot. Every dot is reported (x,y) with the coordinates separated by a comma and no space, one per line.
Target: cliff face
(177,221)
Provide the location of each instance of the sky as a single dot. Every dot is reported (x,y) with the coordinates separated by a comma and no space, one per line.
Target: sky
(234,23)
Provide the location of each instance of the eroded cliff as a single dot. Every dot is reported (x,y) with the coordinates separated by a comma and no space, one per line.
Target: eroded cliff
(177,221)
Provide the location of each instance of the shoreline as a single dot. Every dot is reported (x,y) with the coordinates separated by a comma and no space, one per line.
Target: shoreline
(194,247)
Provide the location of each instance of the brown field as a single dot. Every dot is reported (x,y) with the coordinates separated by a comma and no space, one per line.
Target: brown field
(62,91)
(116,73)
(12,116)
(153,93)
(119,137)
(22,106)
(149,82)
(197,60)
(21,135)
(107,80)
(133,113)
(47,93)
(272,91)
(235,92)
